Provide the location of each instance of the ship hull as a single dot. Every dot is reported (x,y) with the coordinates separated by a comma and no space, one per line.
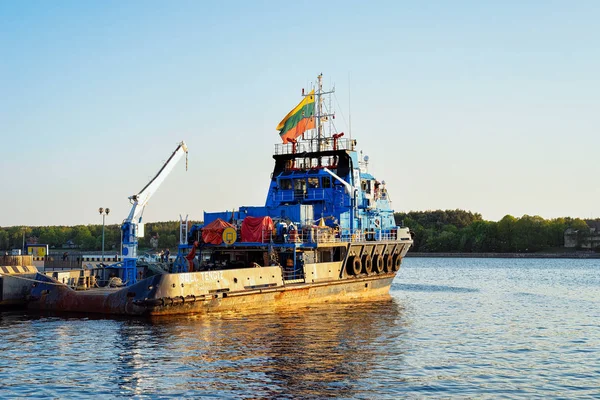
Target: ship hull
(232,289)
(281,297)
(15,282)
(137,299)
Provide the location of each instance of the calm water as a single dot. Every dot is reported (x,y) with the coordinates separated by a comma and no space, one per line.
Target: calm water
(468,328)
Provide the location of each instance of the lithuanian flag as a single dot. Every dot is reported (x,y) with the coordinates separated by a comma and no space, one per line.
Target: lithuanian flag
(299,120)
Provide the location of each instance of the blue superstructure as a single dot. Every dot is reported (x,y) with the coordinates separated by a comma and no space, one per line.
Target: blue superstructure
(303,191)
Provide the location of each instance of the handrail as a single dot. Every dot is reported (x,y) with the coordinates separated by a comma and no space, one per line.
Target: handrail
(291,194)
(306,146)
(329,235)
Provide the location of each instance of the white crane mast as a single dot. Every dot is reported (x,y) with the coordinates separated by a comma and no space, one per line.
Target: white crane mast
(139,201)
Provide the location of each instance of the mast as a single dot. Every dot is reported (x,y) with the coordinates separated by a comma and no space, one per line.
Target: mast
(320,108)
(349,111)
(320,115)
(316,139)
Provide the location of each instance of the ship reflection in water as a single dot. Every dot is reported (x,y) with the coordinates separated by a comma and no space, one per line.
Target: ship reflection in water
(314,351)
(321,350)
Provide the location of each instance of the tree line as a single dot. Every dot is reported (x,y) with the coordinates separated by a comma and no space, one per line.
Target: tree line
(433,231)
(88,237)
(465,231)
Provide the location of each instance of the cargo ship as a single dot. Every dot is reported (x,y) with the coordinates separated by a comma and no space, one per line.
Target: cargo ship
(326,232)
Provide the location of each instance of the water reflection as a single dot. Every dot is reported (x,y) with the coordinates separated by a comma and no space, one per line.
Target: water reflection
(314,351)
(451,328)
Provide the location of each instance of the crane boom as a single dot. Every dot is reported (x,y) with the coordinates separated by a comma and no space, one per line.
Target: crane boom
(139,201)
(349,188)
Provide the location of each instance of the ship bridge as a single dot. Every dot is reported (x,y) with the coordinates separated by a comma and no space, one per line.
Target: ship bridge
(302,177)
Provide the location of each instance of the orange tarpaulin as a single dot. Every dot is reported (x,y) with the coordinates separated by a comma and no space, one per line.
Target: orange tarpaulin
(213,232)
(257,229)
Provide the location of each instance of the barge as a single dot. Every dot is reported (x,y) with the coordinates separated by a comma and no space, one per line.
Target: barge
(326,232)
(16,276)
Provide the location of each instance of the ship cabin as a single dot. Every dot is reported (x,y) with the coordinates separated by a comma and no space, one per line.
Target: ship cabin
(336,183)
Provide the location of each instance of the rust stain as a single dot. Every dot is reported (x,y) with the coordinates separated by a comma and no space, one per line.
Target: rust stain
(169,295)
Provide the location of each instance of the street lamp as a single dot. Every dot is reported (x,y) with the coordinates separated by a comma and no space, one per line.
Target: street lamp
(104,213)
(23,248)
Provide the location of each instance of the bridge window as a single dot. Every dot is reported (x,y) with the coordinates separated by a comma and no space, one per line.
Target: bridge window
(326,182)
(285,184)
(313,183)
(300,184)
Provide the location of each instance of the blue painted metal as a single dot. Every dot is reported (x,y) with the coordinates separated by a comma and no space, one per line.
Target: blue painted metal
(181,263)
(303,196)
(130,244)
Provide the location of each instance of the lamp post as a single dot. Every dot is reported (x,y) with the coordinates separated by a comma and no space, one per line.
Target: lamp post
(104,212)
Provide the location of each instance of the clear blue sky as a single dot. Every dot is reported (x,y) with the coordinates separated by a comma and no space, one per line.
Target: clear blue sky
(485,106)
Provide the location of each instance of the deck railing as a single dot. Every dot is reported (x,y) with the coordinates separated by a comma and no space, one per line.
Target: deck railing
(328,235)
(293,195)
(315,145)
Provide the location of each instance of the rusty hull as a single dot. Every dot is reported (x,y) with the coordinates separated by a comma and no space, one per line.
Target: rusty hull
(202,292)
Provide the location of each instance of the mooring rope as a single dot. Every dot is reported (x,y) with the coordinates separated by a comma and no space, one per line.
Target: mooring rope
(33,280)
(57,283)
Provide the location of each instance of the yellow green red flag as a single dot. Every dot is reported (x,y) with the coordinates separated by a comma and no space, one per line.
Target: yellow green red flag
(299,120)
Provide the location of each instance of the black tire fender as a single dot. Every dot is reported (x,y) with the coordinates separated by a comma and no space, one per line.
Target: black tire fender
(388,261)
(397,262)
(367,264)
(378,264)
(354,265)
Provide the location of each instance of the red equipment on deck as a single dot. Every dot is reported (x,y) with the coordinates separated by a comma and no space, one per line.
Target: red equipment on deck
(213,232)
(257,229)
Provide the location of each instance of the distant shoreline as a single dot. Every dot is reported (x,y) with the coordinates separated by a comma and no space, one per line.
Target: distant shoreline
(506,255)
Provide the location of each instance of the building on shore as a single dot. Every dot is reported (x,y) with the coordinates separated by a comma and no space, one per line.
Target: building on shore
(585,240)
